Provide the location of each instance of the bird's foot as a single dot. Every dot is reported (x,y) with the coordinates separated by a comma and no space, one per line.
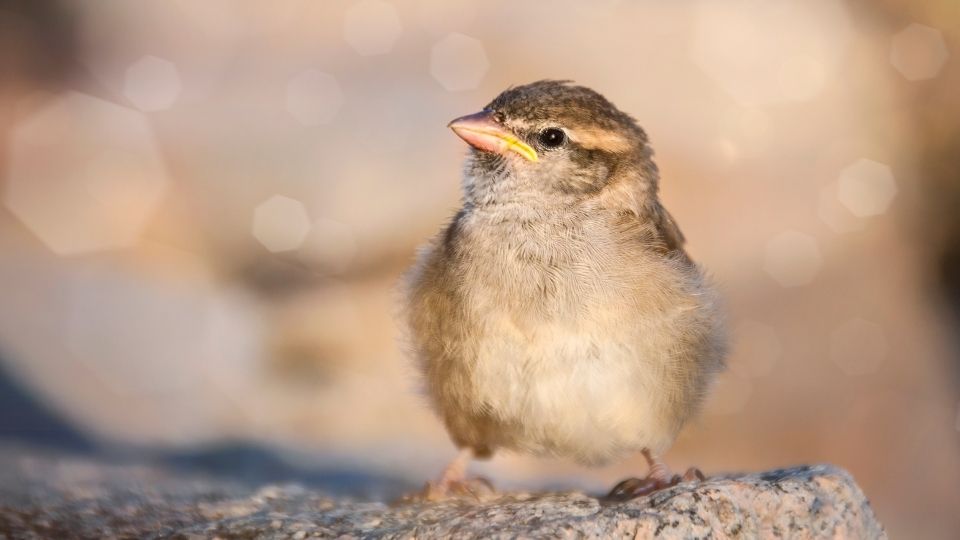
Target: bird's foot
(476,487)
(632,488)
(454,484)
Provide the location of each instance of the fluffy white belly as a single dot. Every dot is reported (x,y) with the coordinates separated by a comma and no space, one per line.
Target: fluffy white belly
(580,390)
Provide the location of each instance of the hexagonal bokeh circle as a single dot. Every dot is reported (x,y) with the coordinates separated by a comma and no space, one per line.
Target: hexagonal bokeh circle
(866,188)
(280,223)
(458,62)
(918,52)
(84,174)
(792,259)
(152,84)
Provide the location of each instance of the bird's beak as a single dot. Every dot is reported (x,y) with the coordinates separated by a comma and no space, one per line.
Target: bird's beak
(483,132)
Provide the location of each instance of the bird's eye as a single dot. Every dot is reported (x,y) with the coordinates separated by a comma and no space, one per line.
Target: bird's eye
(552,137)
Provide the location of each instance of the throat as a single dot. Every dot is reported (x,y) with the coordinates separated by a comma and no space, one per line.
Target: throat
(522,206)
(516,232)
(520,193)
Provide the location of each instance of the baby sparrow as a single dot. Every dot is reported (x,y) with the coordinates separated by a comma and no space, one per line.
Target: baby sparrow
(558,313)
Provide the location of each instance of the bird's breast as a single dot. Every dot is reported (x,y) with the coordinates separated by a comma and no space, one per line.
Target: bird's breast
(555,269)
(567,336)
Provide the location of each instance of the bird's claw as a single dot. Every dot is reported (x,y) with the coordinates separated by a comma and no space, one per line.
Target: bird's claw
(635,487)
(477,488)
(632,488)
(693,474)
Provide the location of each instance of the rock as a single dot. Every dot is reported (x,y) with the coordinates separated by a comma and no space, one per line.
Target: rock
(44,497)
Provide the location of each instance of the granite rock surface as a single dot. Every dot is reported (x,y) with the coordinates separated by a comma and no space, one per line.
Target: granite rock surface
(48,497)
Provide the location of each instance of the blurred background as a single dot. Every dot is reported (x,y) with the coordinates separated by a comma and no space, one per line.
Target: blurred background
(206,207)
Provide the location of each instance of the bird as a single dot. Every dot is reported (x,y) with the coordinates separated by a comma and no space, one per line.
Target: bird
(558,314)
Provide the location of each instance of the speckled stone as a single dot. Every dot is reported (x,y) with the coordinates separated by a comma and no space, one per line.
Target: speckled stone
(43,497)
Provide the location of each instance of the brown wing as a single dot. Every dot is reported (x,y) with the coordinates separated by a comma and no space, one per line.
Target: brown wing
(632,198)
(667,228)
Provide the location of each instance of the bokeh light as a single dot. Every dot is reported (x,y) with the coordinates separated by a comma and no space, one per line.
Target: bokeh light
(792,258)
(280,223)
(105,184)
(152,84)
(918,52)
(834,214)
(769,52)
(458,62)
(172,53)
(866,188)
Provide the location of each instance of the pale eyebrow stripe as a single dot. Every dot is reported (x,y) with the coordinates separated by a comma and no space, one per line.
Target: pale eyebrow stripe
(599,139)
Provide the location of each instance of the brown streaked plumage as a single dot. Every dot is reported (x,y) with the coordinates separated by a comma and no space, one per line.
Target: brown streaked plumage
(558,313)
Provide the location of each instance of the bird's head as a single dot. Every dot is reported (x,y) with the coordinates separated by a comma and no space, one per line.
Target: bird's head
(553,140)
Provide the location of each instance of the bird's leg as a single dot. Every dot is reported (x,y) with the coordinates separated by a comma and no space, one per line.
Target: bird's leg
(453,481)
(453,473)
(658,477)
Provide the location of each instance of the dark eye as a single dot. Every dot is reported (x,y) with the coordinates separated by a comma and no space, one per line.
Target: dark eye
(552,137)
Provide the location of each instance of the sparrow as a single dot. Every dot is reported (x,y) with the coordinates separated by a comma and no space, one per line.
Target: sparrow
(558,314)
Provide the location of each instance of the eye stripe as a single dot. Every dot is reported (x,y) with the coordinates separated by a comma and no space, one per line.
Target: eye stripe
(600,139)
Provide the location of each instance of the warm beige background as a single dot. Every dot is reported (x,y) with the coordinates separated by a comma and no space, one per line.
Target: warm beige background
(154,153)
